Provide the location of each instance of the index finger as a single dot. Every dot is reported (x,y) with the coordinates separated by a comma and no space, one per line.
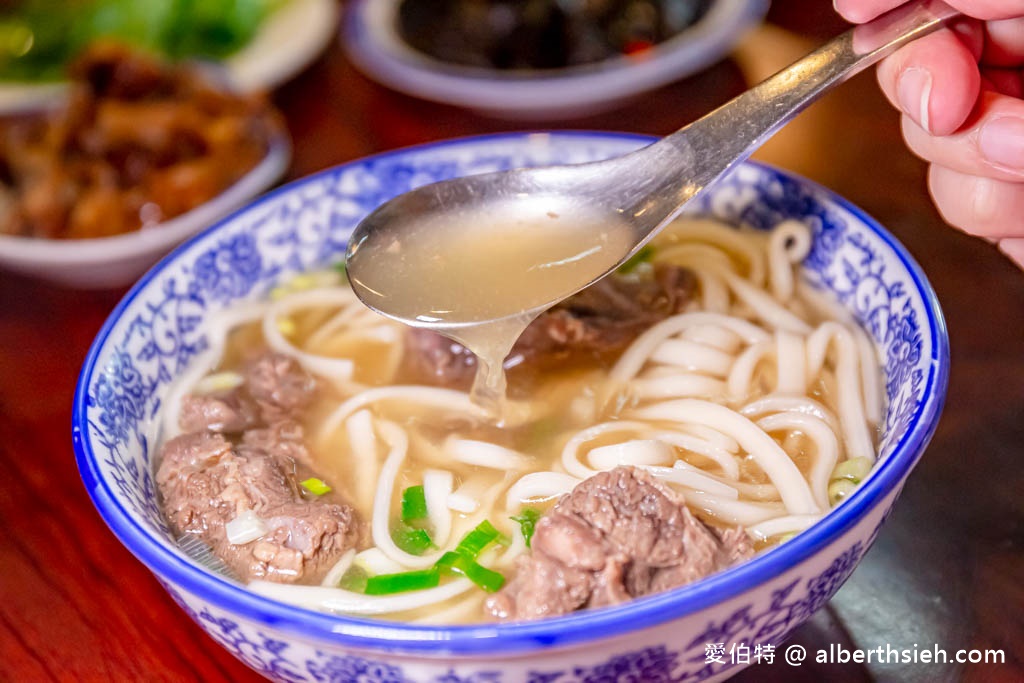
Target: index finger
(859,11)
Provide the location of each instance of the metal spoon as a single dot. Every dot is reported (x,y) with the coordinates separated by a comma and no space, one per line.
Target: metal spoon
(643,190)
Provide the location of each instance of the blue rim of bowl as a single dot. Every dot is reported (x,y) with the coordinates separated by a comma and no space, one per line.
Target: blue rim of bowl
(516,638)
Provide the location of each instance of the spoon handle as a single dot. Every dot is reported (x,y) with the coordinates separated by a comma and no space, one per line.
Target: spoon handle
(712,145)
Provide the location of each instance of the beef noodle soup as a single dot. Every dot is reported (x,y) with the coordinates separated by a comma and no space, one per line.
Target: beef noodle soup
(696,407)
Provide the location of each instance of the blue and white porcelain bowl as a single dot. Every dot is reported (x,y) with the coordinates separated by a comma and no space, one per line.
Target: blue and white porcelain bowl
(161,325)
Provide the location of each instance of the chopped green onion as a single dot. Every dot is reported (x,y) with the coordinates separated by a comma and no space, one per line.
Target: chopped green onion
(477,539)
(386,584)
(412,541)
(839,489)
(286,326)
(645,254)
(316,486)
(527,521)
(488,579)
(854,469)
(414,504)
(354,580)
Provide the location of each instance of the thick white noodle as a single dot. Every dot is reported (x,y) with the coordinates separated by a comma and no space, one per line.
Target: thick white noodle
(350,316)
(727,238)
(869,361)
(714,292)
(790,363)
(333,576)
(466,499)
(788,244)
(518,546)
(826,446)
(373,561)
(694,479)
(764,492)
(337,370)
(742,374)
(774,403)
(464,610)
(447,400)
(693,357)
(485,454)
(677,385)
(870,375)
(364,456)
(380,524)
(848,399)
(437,486)
(537,487)
(638,353)
(339,600)
(695,444)
(570,452)
(715,437)
(764,306)
(716,337)
(781,525)
(636,452)
(737,512)
(769,455)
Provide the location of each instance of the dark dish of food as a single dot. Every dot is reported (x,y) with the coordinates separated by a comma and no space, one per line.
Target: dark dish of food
(138,142)
(691,409)
(39,38)
(541,34)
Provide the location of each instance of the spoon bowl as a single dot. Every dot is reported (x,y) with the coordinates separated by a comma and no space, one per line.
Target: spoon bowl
(507,245)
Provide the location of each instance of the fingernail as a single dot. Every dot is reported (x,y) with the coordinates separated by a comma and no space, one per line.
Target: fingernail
(913,91)
(1002,142)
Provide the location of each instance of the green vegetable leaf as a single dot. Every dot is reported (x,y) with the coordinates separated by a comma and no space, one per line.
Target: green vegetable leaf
(476,540)
(527,521)
(414,504)
(316,486)
(410,540)
(388,584)
(354,580)
(457,563)
(645,254)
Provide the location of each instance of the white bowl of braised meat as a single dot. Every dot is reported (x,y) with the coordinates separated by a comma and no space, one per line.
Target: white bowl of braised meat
(540,58)
(141,156)
(693,456)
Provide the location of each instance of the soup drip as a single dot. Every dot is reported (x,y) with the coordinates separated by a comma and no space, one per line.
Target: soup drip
(452,277)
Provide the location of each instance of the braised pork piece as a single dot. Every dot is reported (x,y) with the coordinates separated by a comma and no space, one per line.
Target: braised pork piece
(138,142)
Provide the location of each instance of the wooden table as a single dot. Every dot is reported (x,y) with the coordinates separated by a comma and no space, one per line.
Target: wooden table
(947,570)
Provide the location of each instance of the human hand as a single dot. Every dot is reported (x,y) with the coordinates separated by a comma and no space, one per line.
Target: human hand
(961,91)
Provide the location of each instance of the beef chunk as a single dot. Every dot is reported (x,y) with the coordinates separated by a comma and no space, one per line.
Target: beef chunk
(616,536)
(231,413)
(276,389)
(591,326)
(280,387)
(206,482)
